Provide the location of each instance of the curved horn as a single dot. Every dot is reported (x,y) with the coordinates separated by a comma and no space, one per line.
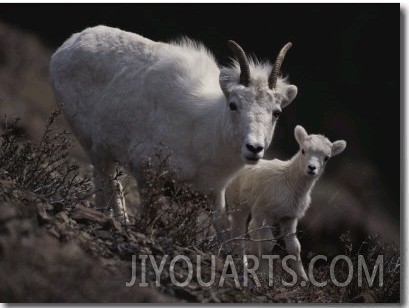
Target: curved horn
(243,61)
(272,79)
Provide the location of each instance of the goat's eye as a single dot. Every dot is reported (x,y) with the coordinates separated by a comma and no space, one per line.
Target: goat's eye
(326,158)
(277,113)
(302,151)
(233,106)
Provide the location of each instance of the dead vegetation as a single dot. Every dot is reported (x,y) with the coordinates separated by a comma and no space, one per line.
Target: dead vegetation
(170,210)
(43,168)
(54,247)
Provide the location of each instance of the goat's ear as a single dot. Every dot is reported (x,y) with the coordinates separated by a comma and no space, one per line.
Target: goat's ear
(289,92)
(300,134)
(224,80)
(338,147)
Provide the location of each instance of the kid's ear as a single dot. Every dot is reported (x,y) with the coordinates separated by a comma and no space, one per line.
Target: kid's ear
(300,134)
(338,147)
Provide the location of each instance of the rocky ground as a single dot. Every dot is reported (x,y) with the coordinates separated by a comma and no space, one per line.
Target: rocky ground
(55,247)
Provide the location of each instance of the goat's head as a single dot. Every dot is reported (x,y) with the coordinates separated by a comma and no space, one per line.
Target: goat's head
(315,150)
(255,97)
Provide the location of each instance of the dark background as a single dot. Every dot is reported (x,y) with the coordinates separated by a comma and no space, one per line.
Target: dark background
(345,61)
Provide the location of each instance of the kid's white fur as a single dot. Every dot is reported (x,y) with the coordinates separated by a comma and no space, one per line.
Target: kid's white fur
(279,192)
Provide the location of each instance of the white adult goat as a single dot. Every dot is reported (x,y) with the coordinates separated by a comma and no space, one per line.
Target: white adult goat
(124,95)
(279,192)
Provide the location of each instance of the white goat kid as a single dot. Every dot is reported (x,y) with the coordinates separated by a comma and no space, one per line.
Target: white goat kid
(124,95)
(279,192)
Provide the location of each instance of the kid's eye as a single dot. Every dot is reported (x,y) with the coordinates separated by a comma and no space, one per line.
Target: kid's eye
(326,158)
(302,151)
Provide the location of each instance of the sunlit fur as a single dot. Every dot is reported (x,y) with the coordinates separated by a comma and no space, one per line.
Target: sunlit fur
(279,192)
(125,95)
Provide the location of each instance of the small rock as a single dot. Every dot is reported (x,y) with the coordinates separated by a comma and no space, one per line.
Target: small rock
(54,232)
(261,299)
(63,217)
(367,297)
(86,236)
(43,217)
(82,213)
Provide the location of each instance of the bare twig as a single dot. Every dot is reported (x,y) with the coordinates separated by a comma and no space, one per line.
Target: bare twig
(245,237)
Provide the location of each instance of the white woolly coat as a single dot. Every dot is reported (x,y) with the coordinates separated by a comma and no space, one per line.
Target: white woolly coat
(125,96)
(105,114)
(273,189)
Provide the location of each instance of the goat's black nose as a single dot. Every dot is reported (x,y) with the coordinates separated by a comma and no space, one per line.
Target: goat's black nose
(311,167)
(254,148)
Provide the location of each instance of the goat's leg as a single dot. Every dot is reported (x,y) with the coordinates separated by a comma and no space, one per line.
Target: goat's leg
(119,205)
(261,237)
(288,231)
(221,221)
(238,230)
(109,193)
